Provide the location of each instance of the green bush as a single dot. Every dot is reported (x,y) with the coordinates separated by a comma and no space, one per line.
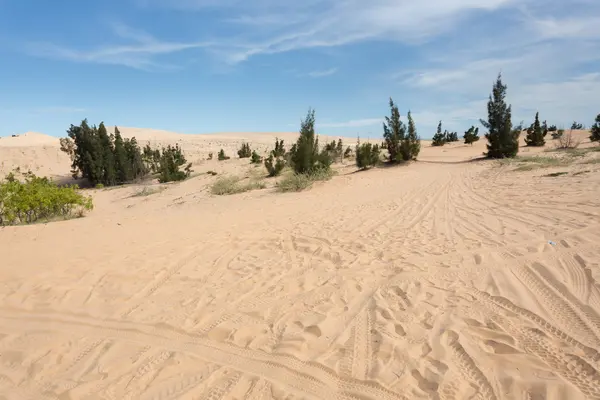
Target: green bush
(595,130)
(245,151)
(558,134)
(298,182)
(38,199)
(221,156)
(233,185)
(171,159)
(471,136)
(439,139)
(304,155)
(367,155)
(274,165)
(255,158)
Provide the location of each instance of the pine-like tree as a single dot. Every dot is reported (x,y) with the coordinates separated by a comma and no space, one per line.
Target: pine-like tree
(411,145)
(110,173)
(134,155)
(471,136)
(595,130)
(503,141)
(245,151)
(305,157)
(221,156)
(122,164)
(255,158)
(439,139)
(394,133)
(535,133)
(279,148)
(577,126)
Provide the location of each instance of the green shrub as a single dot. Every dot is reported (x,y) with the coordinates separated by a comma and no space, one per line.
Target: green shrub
(367,155)
(274,165)
(558,134)
(38,198)
(304,155)
(348,152)
(439,139)
(99,186)
(255,158)
(245,151)
(298,182)
(595,130)
(221,156)
(170,160)
(471,136)
(233,185)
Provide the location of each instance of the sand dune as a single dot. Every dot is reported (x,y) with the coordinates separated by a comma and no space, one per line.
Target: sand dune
(442,279)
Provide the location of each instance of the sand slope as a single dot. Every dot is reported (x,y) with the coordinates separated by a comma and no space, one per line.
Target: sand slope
(432,280)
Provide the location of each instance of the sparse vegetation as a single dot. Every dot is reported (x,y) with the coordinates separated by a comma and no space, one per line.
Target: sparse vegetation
(244,151)
(577,126)
(38,199)
(255,158)
(305,156)
(298,182)
(171,159)
(210,156)
(232,185)
(148,190)
(536,133)
(213,173)
(503,140)
(552,128)
(568,141)
(557,134)
(222,156)
(555,174)
(451,136)
(439,139)
(471,136)
(348,152)
(274,165)
(367,155)
(595,130)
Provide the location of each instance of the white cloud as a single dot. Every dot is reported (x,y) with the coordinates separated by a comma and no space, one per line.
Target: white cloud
(323,73)
(138,55)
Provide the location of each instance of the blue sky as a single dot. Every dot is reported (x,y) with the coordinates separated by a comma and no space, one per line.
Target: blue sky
(202,66)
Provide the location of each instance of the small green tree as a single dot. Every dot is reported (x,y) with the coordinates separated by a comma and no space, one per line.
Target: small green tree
(595,130)
(245,151)
(503,141)
(221,156)
(348,152)
(367,155)
(577,126)
(471,136)
(305,156)
(110,176)
(451,136)
(279,148)
(535,133)
(255,158)
(274,165)
(410,147)
(552,128)
(170,160)
(439,139)
(394,133)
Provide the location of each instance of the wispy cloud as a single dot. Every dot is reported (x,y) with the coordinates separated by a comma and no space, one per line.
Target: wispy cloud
(322,73)
(138,54)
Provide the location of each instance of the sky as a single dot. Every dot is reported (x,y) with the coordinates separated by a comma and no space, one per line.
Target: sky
(206,66)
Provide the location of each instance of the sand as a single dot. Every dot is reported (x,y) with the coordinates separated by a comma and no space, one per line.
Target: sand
(443,279)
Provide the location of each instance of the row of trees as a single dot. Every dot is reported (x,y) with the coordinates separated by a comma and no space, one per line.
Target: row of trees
(110,160)
(440,139)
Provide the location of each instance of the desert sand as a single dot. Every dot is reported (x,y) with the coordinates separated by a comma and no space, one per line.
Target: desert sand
(448,278)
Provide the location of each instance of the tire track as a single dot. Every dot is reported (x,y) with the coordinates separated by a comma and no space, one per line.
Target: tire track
(304,377)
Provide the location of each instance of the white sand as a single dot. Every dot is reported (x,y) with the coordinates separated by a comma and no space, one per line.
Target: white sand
(433,280)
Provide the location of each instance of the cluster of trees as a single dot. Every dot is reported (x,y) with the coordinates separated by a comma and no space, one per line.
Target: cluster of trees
(367,155)
(110,160)
(471,135)
(440,139)
(245,151)
(401,143)
(37,199)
